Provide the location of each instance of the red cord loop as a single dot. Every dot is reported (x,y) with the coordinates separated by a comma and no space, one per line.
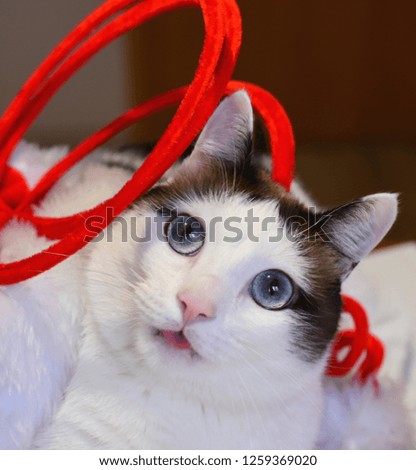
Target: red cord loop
(12,191)
(361,344)
(196,103)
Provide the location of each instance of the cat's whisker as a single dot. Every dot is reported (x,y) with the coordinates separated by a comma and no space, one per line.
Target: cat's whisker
(247,414)
(267,382)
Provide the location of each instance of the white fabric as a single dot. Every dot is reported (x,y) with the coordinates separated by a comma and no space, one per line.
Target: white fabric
(385,283)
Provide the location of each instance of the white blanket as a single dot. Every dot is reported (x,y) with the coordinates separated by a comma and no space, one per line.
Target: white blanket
(385,284)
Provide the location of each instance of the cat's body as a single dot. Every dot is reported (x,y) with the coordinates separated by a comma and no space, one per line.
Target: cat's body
(139,392)
(211,342)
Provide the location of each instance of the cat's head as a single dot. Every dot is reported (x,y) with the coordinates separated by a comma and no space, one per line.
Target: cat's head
(233,276)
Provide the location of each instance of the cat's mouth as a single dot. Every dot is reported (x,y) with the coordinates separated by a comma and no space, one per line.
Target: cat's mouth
(176,339)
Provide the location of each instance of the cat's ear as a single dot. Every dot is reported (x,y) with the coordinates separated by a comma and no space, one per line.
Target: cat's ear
(227,136)
(354,229)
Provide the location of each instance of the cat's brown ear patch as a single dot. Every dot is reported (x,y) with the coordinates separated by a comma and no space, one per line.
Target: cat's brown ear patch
(227,136)
(354,229)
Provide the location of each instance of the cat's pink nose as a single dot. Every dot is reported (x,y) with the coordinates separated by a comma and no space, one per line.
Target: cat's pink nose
(195,305)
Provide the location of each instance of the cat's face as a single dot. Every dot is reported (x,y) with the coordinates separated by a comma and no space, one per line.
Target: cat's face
(236,280)
(206,301)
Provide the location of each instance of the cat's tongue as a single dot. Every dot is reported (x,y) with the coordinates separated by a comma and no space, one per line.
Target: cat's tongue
(176,339)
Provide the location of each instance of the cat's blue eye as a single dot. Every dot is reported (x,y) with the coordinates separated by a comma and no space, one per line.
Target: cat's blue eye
(186,235)
(272,289)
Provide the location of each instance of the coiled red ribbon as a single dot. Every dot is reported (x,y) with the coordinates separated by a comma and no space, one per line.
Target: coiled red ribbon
(365,351)
(197,102)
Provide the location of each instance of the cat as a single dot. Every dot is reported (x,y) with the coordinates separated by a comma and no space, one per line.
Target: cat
(204,316)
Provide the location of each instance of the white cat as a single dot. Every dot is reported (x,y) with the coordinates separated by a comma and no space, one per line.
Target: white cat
(207,310)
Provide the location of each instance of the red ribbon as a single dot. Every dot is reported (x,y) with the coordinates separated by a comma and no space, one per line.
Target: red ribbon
(12,192)
(363,349)
(196,103)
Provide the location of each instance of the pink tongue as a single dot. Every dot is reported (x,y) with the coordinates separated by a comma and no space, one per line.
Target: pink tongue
(176,339)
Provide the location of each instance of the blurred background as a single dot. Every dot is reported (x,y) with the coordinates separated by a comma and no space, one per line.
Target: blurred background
(345,71)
